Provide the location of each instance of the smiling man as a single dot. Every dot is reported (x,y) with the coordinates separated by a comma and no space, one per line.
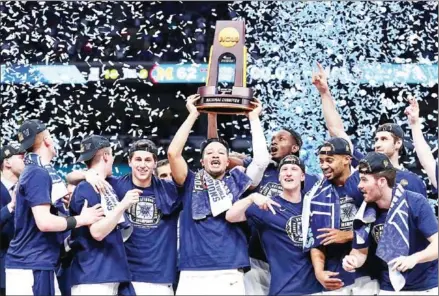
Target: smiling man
(154,219)
(401,226)
(152,247)
(329,211)
(280,230)
(389,137)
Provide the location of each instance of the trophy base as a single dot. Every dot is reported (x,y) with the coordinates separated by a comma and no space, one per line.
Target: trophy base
(239,102)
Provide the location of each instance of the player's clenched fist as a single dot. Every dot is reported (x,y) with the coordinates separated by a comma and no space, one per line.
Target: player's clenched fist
(131,198)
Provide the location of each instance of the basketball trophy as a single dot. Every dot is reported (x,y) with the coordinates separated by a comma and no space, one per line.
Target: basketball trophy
(227,49)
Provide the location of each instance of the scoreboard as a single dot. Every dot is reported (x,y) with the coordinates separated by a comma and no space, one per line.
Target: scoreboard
(80,73)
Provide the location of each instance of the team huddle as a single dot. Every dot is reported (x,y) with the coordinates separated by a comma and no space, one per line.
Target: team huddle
(241,225)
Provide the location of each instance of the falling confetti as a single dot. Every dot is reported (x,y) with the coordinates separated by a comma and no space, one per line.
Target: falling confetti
(286,39)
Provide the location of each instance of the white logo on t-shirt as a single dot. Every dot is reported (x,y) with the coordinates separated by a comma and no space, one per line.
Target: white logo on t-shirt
(348,210)
(145,213)
(271,189)
(294,230)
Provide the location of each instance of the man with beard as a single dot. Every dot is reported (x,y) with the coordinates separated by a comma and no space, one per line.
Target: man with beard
(213,253)
(281,231)
(34,251)
(11,166)
(402,227)
(389,137)
(329,211)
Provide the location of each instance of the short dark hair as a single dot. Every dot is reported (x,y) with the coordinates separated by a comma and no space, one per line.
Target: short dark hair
(389,175)
(396,139)
(295,136)
(162,162)
(143,145)
(206,143)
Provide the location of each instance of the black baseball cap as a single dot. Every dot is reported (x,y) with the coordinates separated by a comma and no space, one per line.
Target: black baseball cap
(144,145)
(375,162)
(205,143)
(9,150)
(292,159)
(295,136)
(28,131)
(392,128)
(338,146)
(91,145)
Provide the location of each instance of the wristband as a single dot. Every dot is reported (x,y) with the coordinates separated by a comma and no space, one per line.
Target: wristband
(71,223)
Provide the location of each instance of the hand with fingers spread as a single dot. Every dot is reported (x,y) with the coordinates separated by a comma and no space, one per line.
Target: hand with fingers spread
(190,104)
(254,114)
(350,263)
(412,111)
(96,181)
(264,202)
(329,281)
(403,263)
(90,215)
(131,198)
(320,80)
(334,236)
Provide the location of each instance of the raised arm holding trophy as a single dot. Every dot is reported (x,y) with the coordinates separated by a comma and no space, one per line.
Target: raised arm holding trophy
(228,47)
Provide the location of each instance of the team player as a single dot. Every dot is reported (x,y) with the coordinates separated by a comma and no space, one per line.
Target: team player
(100,265)
(213,252)
(402,225)
(284,142)
(34,251)
(152,247)
(329,211)
(423,150)
(389,137)
(11,166)
(280,230)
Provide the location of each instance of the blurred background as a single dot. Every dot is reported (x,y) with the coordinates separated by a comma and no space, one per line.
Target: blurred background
(124,69)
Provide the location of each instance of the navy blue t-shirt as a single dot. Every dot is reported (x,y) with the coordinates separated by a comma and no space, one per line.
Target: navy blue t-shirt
(422,224)
(335,253)
(30,248)
(96,261)
(6,229)
(291,269)
(152,247)
(211,243)
(270,186)
(6,220)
